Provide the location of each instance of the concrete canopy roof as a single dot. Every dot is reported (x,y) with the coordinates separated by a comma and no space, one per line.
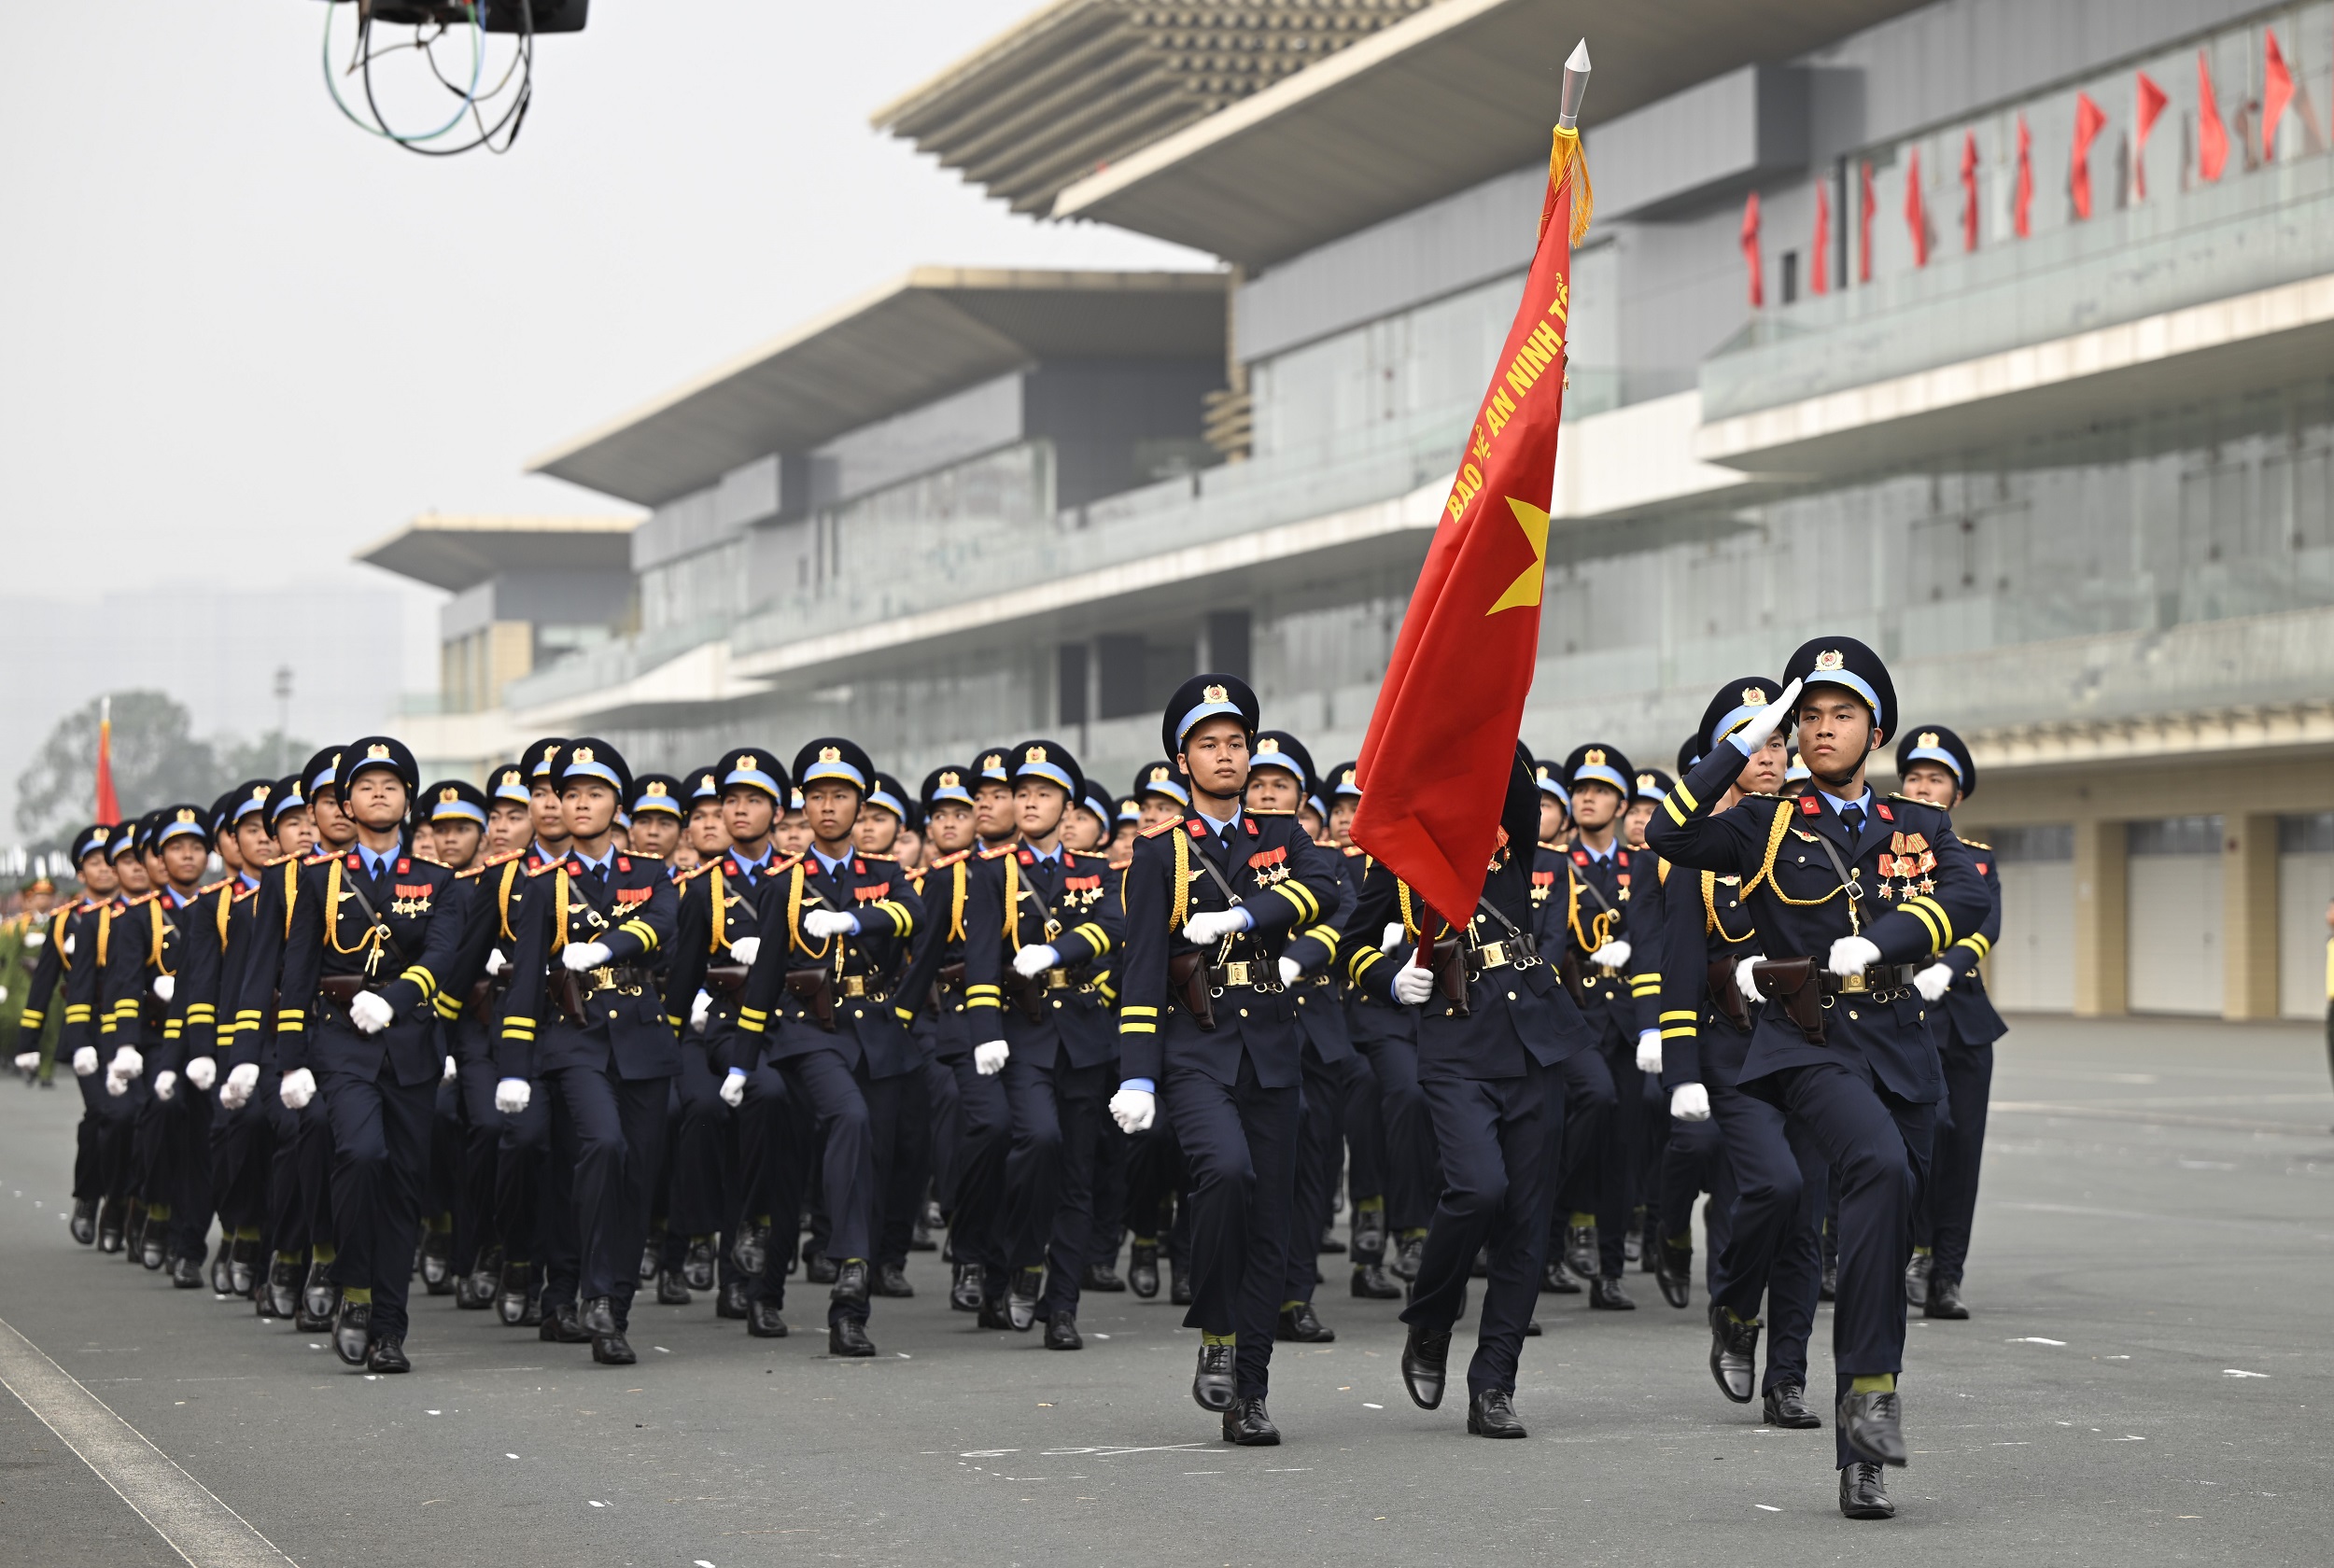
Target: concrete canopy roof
(458,551)
(934,331)
(1446,98)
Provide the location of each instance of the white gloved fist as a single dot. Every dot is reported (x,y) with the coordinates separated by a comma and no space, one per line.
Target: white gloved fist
(1770,718)
(511,1095)
(989,1058)
(1649,1051)
(1613,955)
(452,1070)
(1214,925)
(496,962)
(203,1073)
(1413,985)
(116,1086)
(165,1085)
(744,950)
(1392,937)
(165,986)
(371,1012)
(733,1090)
(298,1088)
(85,1061)
(1035,959)
(1743,982)
(66,945)
(1932,982)
(1852,954)
(580,956)
(26,1061)
(823,923)
(235,1093)
(34,936)
(700,1010)
(1133,1109)
(1690,1102)
(1291,971)
(126,1064)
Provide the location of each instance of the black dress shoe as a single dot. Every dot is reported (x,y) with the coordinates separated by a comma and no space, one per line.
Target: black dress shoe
(993,1312)
(671,1289)
(84,1225)
(850,1281)
(1492,1414)
(732,1303)
(964,1288)
(1212,1385)
(891,1280)
(1917,1279)
(698,1268)
(386,1356)
(763,1320)
(222,1273)
(820,1270)
(651,1261)
(1302,1323)
(1864,1493)
(1329,1242)
(563,1325)
(1178,1287)
(352,1331)
(750,1247)
(1021,1301)
(279,1298)
(1143,1269)
(1581,1250)
(1062,1333)
(1944,1300)
(437,1273)
(110,1220)
(1371,1284)
(153,1247)
(319,1299)
(1610,1295)
(1556,1280)
(920,1237)
(1786,1405)
(1369,1232)
(1407,1258)
(1101,1277)
(613,1349)
(1873,1427)
(1734,1353)
(242,1266)
(466,1296)
(511,1292)
(848,1336)
(184,1274)
(599,1315)
(1426,1361)
(1633,1248)
(1531,1329)
(1676,1273)
(1248,1425)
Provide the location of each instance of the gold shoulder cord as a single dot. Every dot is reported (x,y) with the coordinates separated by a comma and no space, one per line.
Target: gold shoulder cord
(56,938)
(1013,901)
(717,934)
(104,934)
(160,936)
(559,909)
(1776,830)
(1709,909)
(369,944)
(226,897)
(1600,923)
(1182,906)
(962,872)
(291,893)
(794,918)
(502,898)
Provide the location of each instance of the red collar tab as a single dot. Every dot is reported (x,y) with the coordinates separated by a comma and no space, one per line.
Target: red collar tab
(403,865)
(858,866)
(1027,858)
(575,868)
(1198,829)
(1810,806)
(735,869)
(1580,856)
(356,861)
(624,862)
(1886,815)
(1252,827)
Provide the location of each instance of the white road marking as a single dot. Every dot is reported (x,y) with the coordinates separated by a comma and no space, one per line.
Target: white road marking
(185,1513)
(2240,1372)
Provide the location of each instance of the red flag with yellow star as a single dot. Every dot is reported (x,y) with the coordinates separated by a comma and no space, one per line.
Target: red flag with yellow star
(1436,761)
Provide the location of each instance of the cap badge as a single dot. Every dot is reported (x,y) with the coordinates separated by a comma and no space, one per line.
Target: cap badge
(580,755)
(830,753)
(1644,780)
(949,780)
(656,788)
(186,814)
(1928,737)
(376,752)
(259,791)
(98,837)
(1754,694)
(1266,744)
(1831,659)
(448,795)
(1595,757)
(1035,754)
(1216,693)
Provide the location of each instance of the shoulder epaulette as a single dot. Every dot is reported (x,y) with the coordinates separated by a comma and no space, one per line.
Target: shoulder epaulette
(986,853)
(1158,828)
(478,870)
(1975,844)
(644,854)
(893,860)
(209,887)
(1353,850)
(696,871)
(317,856)
(1259,811)
(952,857)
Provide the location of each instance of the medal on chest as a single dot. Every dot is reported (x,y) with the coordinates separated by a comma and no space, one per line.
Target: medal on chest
(1906,865)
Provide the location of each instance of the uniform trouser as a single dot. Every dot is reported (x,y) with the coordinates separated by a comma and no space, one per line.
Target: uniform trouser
(1057,1129)
(187,1170)
(1950,1203)
(1500,1140)
(1110,1189)
(1621,1155)
(1590,1102)
(698,1121)
(839,1099)
(379,1132)
(1364,1140)
(1240,1145)
(984,1139)
(1155,1177)
(946,1124)
(441,1184)
(300,1173)
(146,1137)
(1694,1162)
(101,1165)
(475,1230)
(615,1127)
(907,1165)
(1412,1175)
(1652,1142)
(1320,1150)
(241,1144)
(771,1131)
(1769,1259)
(1877,1147)
(523,1181)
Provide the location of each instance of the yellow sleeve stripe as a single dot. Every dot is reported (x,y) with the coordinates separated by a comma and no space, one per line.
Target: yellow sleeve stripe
(1327,937)
(199,1011)
(1359,964)
(246,1015)
(33,1018)
(422,977)
(1095,936)
(1677,1015)
(983,1001)
(1129,1025)
(1670,804)
(78,1013)
(1134,1010)
(1976,942)
(291,1023)
(984,988)
(1932,915)
(446,1008)
(170,1029)
(642,933)
(1681,793)
(1308,907)
(900,917)
(1679,1031)
(674,1022)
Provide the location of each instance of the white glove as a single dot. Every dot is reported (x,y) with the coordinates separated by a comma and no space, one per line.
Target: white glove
(580,956)
(1743,982)
(27,1060)
(126,1064)
(1392,937)
(66,945)
(116,1086)
(35,937)
(4,990)
(202,1072)
(1770,718)
(823,923)
(1932,982)
(511,1095)
(165,1084)
(744,950)
(1214,925)
(1291,971)
(989,1058)
(85,1061)
(1690,1102)
(700,1010)
(1852,954)
(235,1093)
(452,1070)
(1035,959)
(165,985)
(1133,1109)
(1413,985)
(371,1012)
(1613,955)
(297,1090)
(496,962)
(733,1090)
(1649,1051)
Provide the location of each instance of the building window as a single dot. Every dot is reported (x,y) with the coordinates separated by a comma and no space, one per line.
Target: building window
(1791,277)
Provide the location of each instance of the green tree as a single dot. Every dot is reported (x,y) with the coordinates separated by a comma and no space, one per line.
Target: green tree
(157,761)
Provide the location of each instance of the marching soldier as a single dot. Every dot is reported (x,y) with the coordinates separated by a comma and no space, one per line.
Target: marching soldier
(69,956)
(489,834)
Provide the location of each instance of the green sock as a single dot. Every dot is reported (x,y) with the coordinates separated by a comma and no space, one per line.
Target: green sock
(1290,1306)
(1878,1382)
(1922,1252)
(1207,1339)
(1414,1234)
(1744,1323)
(1146,1240)
(1581,1222)
(289,1257)
(324,1255)
(1685,1239)
(158,1210)
(1372,1206)
(247,1233)
(358,1295)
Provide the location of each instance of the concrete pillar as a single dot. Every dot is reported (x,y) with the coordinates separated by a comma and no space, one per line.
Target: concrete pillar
(2102,914)
(2248,884)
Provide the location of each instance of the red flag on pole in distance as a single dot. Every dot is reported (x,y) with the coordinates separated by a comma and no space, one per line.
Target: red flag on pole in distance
(1916,211)
(2022,196)
(2277,90)
(1440,746)
(1751,251)
(1969,190)
(2211,137)
(2152,100)
(1820,267)
(108,808)
(1866,206)
(2089,119)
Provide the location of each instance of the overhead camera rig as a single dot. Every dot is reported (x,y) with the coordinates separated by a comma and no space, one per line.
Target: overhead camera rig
(491,101)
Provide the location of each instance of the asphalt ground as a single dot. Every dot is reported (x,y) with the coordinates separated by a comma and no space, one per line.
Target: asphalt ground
(2147,1380)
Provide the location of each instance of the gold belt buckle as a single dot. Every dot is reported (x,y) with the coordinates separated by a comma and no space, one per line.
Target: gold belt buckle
(1494,954)
(853,985)
(1057,979)
(1608,971)
(1853,983)
(1236,973)
(603,978)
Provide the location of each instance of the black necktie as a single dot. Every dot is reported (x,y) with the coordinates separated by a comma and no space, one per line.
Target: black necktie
(1852,818)
(600,881)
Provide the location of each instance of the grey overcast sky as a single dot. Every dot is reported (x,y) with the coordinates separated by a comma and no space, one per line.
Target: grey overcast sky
(239,338)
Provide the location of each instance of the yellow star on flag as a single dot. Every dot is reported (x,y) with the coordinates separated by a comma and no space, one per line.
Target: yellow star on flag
(1526,587)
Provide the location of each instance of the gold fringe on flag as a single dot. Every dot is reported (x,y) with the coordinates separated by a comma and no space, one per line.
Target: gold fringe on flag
(1566,161)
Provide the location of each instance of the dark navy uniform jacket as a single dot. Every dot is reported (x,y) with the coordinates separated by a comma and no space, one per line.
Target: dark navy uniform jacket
(1921,887)
(1369,1019)
(215,935)
(1965,1014)
(946,888)
(328,934)
(630,910)
(869,1027)
(720,902)
(485,899)
(145,943)
(48,977)
(1321,992)
(1705,922)
(1283,880)
(253,991)
(1022,898)
(1582,901)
